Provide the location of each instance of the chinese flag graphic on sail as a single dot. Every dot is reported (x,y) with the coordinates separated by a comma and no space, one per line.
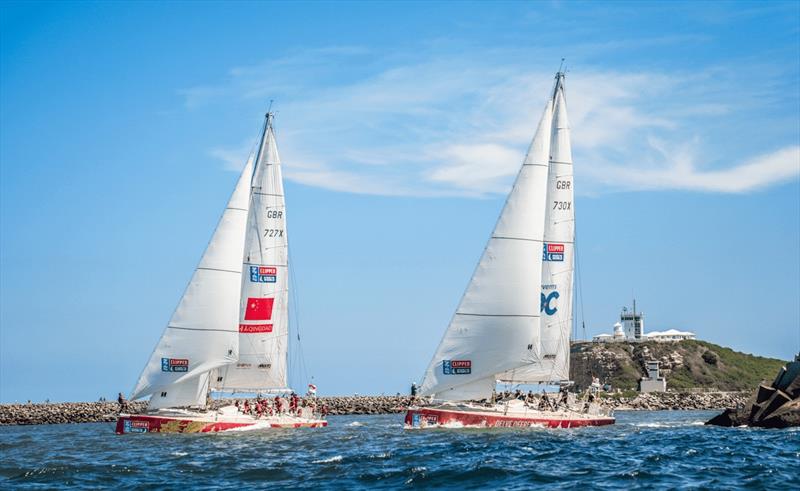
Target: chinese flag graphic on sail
(258,309)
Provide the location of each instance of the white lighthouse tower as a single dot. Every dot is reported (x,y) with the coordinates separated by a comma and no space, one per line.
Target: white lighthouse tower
(632,323)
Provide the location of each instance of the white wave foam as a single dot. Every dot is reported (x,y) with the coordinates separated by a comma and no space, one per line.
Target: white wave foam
(259,425)
(179,454)
(453,424)
(355,423)
(673,424)
(335,458)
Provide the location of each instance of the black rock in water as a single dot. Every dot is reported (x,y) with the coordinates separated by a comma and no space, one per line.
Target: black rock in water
(772,406)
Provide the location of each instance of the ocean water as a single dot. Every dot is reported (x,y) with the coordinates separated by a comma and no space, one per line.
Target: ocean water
(652,449)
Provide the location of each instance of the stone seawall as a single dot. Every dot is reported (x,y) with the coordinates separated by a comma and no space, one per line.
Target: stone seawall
(654,401)
(95,412)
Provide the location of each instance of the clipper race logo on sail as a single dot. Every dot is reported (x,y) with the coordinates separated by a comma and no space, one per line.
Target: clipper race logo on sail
(553,252)
(174,365)
(457,367)
(263,274)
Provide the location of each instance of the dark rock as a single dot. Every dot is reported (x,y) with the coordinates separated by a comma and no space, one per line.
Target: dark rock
(771,406)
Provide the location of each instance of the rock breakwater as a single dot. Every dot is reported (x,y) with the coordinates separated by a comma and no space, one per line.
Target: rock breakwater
(96,412)
(659,401)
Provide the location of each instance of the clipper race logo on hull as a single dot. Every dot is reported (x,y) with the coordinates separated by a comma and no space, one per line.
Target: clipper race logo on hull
(174,365)
(263,274)
(457,367)
(134,426)
(553,252)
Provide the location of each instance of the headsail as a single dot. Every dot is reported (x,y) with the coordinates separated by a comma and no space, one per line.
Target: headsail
(264,321)
(557,258)
(496,326)
(202,333)
(559,249)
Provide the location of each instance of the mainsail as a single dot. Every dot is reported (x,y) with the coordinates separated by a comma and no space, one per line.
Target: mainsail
(496,326)
(202,333)
(263,322)
(514,319)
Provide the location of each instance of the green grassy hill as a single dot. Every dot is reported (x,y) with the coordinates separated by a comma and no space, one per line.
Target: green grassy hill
(685,364)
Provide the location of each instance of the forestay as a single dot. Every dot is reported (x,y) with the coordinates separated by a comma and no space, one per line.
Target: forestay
(263,320)
(496,326)
(202,333)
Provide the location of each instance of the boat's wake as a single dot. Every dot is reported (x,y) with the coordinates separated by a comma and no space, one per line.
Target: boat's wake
(259,425)
(668,425)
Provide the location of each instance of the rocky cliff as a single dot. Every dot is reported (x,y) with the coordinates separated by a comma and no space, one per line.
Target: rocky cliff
(687,365)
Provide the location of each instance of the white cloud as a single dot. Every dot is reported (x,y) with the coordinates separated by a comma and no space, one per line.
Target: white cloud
(460,125)
(233,158)
(480,168)
(680,171)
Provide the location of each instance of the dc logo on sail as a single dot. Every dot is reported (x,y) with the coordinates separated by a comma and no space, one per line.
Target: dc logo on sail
(547,303)
(457,367)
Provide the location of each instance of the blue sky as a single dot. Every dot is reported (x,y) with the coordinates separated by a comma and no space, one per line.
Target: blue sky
(122,126)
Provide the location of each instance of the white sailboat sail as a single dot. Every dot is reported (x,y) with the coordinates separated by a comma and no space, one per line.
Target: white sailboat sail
(559,249)
(202,333)
(552,364)
(191,392)
(264,320)
(496,326)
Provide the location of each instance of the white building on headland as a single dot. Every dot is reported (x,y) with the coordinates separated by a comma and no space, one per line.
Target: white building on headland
(670,335)
(630,328)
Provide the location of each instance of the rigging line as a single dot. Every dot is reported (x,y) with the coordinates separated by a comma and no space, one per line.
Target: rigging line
(296,315)
(580,288)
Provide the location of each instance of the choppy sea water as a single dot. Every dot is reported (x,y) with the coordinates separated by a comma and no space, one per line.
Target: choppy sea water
(652,449)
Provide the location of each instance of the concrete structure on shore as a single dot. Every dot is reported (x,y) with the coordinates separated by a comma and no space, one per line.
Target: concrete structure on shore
(776,405)
(654,382)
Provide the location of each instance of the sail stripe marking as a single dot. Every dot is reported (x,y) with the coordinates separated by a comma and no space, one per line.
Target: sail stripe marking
(498,315)
(517,238)
(237,209)
(196,329)
(268,194)
(538,165)
(562,163)
(223,270)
